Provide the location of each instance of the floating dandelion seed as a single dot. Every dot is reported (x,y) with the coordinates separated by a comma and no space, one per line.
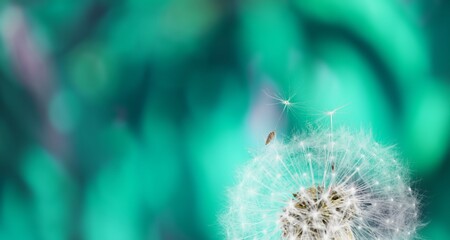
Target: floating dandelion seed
(287,104)
(290,191)
(270,137)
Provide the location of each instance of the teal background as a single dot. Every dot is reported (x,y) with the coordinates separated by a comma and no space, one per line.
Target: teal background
(128,119)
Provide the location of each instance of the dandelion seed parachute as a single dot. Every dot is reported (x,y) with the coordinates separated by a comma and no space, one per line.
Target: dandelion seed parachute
(289,191)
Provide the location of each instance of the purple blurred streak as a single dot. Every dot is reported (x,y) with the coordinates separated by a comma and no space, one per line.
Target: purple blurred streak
(263,107)
(34,71)
(30,64)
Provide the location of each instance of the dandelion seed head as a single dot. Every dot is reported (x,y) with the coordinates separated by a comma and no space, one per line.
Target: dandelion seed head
(316,210)
(294,194)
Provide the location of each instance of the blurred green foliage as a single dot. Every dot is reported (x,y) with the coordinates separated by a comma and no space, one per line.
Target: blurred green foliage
(128,119)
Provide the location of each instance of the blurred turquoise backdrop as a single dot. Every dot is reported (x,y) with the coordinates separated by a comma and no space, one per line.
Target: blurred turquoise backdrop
(126,119)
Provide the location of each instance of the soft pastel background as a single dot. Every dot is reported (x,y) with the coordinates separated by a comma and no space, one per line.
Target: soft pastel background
(126,119)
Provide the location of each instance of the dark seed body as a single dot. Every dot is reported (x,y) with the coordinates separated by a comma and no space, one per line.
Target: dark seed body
(270,137)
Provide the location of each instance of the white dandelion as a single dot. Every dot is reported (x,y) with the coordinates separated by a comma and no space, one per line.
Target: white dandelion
(323,185)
